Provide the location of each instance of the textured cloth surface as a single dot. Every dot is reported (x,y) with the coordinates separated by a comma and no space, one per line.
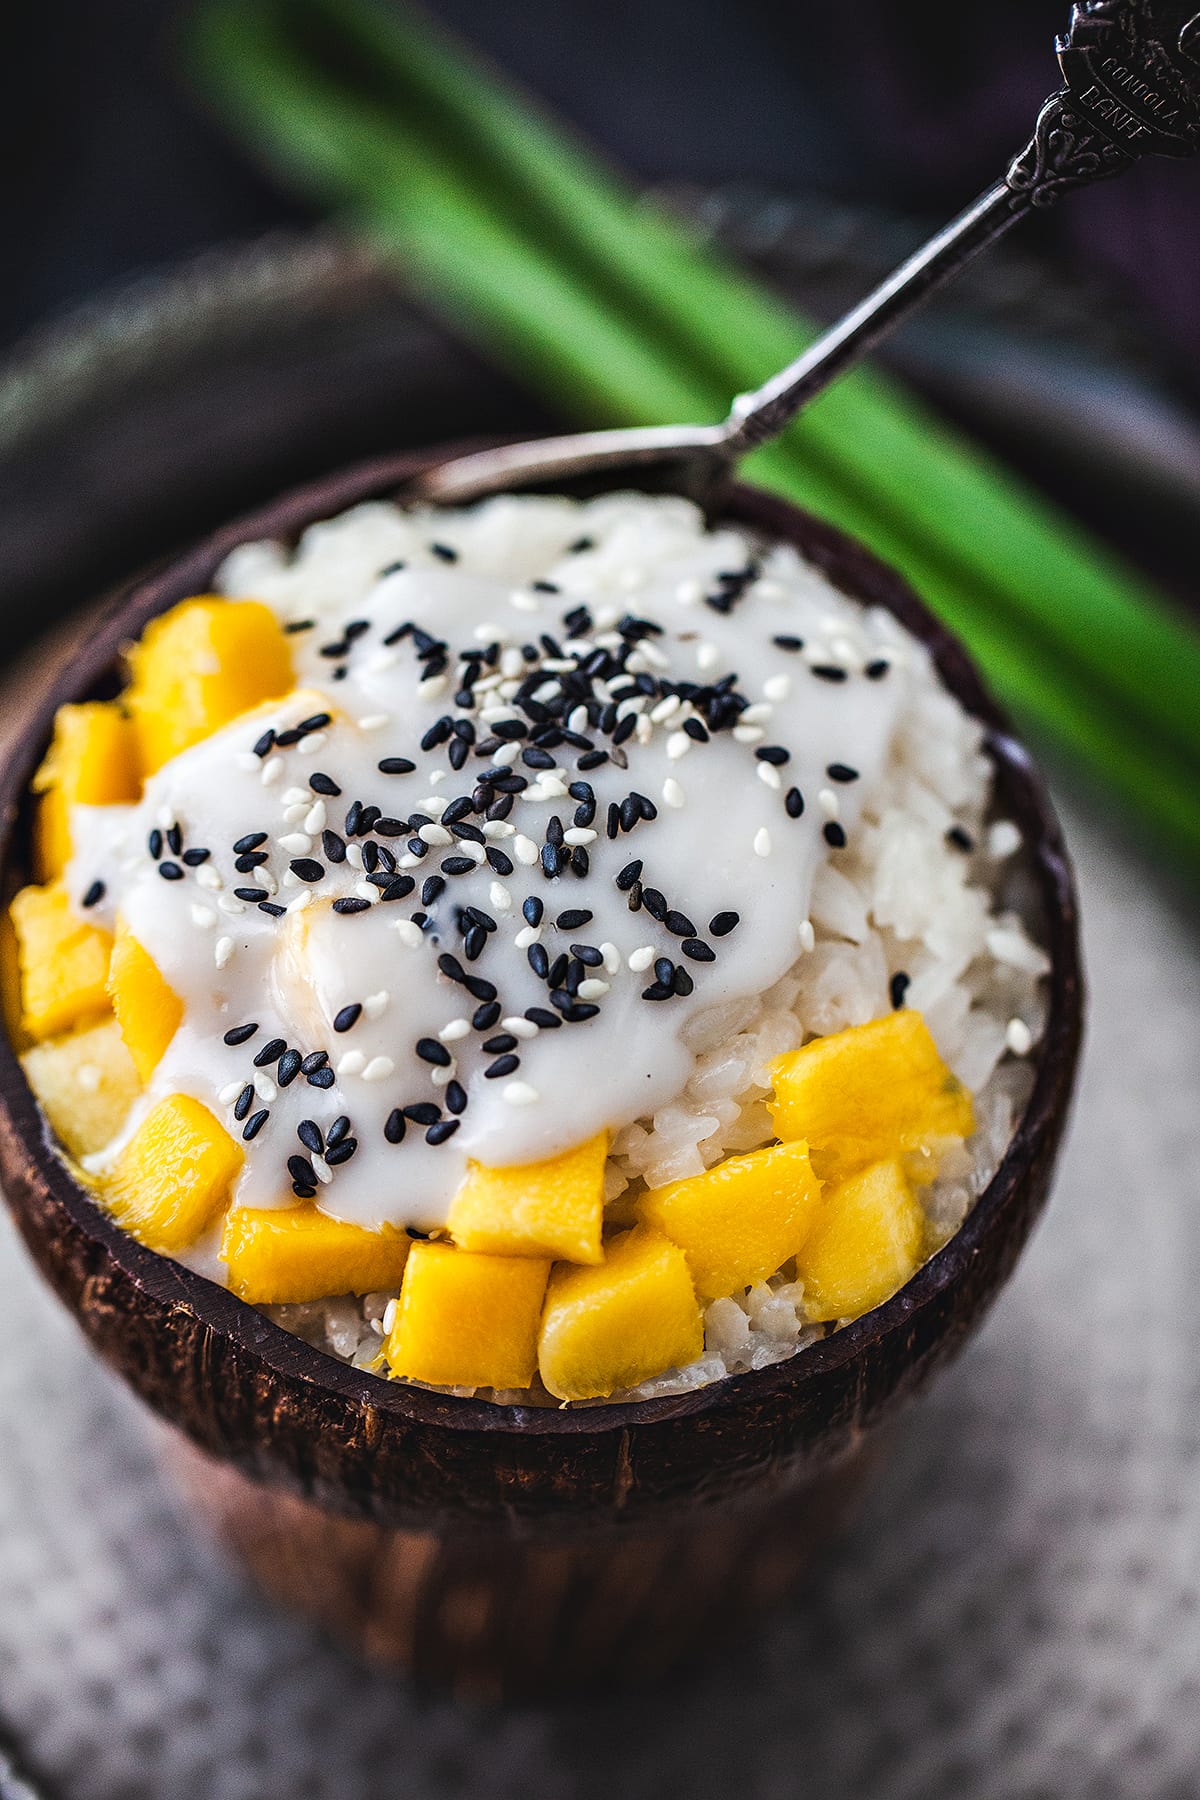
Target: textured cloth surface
(1016,1612)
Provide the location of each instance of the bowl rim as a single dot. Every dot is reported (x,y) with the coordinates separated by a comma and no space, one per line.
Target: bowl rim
(860,574)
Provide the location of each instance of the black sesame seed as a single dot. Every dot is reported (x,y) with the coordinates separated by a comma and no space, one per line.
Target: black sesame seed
(395,1126)
(573,919)
(240,1034)
(342,1152)
(251,841)
(316,1059)
(485,1016)
(541,1016)
(348,1017)
(789,643)
(302,1171)
(154,843)
(629,874)
(193,858)
(456,1097)
(431,1051)
(321,783)
(828,672)
(244,1101)
(289,1068)
(682,983)
(592,759)
(310,1135)
(960,839)
(308,869)
(269,907)
(539,960)
(445,553)
(350,904)
(498,861)
(679,925)
(503,1065)
(793,800)
(551,861)
(338,1130)
(654,903)
(170,871)
(657,992)
(263,746)
(458,865)
(333,846)
(580,861)
(722,923)
(174,840)
(250,894)
(664,968)
(249,861)
(537,759)
(773,753)
(503,1040)
(841,772)
(581,544)
(431,887)
(396,765)
(833,834)
(254,1124)
(271,1052)
(95,894)
(478,988)
(445,1128)
(698,950)
(589,956)
(321,1078)
(423,1112)
(875,671)
(897,988)
(533,909)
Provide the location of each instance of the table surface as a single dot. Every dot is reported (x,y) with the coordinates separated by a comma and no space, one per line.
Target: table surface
(1015,1613)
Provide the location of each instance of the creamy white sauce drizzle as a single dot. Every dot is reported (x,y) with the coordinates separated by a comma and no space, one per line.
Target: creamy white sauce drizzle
(722,840)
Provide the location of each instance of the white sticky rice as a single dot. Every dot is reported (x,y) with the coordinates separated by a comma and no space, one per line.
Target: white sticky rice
(902,898)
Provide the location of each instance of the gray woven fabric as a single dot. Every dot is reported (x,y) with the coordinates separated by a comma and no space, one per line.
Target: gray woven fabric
(1015,1613)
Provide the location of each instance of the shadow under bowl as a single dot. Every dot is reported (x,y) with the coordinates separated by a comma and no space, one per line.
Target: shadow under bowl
(281,1412)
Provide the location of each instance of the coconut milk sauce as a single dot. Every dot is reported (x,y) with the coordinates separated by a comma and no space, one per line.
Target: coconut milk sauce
(722,840)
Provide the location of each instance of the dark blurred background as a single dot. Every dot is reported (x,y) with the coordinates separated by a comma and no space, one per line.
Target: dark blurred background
(821,141)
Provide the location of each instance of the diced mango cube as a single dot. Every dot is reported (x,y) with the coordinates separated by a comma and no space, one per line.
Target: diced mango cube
(63,961)
(870,1092)
(612,1326)
(85,1083)
(10,983)
(92,761)
(200,665)
(148,1010)
(550,1208)
(741,1220)
(172,1179)
(298,1253)
(866,1242)
(465,1320)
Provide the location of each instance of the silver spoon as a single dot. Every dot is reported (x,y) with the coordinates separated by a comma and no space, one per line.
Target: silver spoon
(1131,88)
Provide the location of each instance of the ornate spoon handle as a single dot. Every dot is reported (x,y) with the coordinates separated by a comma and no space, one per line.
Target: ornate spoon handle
(1131,88)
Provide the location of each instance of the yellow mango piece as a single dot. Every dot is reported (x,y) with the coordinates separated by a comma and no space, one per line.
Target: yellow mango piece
(10,983)
(550,1208)
(618,1324)
(299,1254)
(866,1242)
(741,1220)
(63,961)
(467,1321)
(200,665)
(870,1092)
(148,1010)
(173,1177)
(92,761)
(85,1084)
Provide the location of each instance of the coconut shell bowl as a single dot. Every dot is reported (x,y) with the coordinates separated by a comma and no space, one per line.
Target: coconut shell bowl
(509,1550)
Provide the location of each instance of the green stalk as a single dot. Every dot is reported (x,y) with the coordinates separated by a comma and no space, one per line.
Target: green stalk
(388,183)
(936,493)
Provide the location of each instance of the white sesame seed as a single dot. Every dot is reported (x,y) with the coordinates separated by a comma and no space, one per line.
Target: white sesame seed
(295,843)
(442,1077)
(807,935)
(578,720)
(222,951)
(580,834)
(432,687)
(321,1169)
(631,579)
(230,1092)
(499,897)
(1003,839)
(758,714)
(264,1087)
(295,796)
(379,1068)
(354,856)
(748,734)
(454,1029)
(353,1063)
(612,957)
(1018,1037)
(497,828)
(519,1093)
(315,740)
(436,775)
(642,958)
(643,730)
(166,816)
(511,662)
(673,794)
(246,759)
(828,802)
(204,917)
(315,817)
(272,769)
(228,903)
(379,660)
(294,815)
(389,1317)
(487,633)
(678,745)
(300,901)
(777,687)
(762,842)
(506,756)
(688,592)
(407,861)
(770,590)
(435,835)
(665,709)
(528,934)
(366,890)
(376,1004)
(520,601)
(769,774)
(707,655)
(208,877)
(592,988)
(520,1027)
(407,932)
(525,850)
(374,721)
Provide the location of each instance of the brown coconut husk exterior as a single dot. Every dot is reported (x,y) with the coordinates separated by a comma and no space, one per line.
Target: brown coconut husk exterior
(744,1459)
